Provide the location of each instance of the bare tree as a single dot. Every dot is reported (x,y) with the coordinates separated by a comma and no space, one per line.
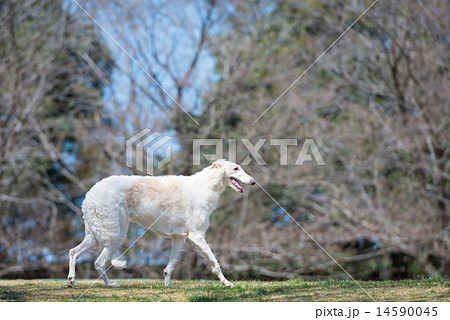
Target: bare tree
(163,67)
(50,106)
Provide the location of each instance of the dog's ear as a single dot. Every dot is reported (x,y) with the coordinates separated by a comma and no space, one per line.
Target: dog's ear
(218,164)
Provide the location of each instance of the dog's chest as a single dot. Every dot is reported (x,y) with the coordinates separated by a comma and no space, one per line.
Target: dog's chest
(206,204)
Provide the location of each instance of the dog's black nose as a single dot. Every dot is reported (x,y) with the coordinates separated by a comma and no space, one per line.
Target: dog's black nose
(252,182)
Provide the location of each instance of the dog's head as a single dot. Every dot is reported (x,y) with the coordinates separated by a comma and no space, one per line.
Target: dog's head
(233,173)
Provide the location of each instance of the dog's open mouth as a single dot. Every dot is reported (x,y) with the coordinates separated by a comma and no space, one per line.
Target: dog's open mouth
(235,184)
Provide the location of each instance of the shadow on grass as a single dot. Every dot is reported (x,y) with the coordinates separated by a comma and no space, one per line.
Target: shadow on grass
(295,291)
(11,294)
(209,297)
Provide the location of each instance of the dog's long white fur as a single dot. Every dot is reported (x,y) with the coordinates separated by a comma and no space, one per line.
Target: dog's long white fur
(116,201)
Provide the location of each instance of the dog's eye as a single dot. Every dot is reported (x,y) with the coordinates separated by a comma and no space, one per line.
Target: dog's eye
(237,168)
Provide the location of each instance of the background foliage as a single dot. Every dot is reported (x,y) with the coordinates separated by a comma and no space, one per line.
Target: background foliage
(376,104)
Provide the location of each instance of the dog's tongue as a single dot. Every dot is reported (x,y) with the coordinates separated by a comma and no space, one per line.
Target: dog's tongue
(236,184)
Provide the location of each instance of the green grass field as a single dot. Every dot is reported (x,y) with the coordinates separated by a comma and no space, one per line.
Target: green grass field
(433,289)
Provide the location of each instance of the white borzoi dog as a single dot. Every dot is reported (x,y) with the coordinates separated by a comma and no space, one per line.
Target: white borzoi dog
(177,207)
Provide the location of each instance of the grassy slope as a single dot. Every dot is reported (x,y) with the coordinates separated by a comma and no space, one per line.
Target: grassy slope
(293,290)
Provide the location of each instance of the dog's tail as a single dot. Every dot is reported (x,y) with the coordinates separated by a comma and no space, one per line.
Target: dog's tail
(118,262)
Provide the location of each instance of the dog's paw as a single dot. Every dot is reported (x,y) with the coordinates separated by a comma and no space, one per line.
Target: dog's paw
(70,282)
(113,285)
(228,284)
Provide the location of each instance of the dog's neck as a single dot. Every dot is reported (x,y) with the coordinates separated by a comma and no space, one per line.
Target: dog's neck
(212,179)
(210,183)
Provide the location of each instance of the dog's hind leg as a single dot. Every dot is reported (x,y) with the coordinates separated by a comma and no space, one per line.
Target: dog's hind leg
(199,241)
(100,265)
(177,245)
(88,243)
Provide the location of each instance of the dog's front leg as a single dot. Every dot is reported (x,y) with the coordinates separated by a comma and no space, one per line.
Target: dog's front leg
(199,241)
